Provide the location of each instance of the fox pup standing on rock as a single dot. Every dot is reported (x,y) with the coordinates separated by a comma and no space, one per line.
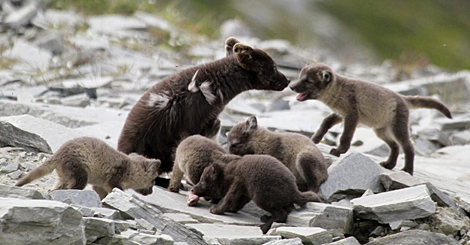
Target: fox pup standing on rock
(355,102)
(188,102)
(296,151)
(88,160)
(260,178)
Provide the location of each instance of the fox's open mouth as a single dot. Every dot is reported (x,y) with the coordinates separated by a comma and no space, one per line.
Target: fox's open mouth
(302,96)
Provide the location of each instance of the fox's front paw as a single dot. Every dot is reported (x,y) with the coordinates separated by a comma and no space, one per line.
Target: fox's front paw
(215,210)
(335,152)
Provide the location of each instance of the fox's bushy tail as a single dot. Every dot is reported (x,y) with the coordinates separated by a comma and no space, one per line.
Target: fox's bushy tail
(427,102)
(40,171)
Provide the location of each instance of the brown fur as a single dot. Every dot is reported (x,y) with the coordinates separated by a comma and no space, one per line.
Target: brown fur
(260,178)
(192,156)
(355,102)
(88,160)
(189,102)
(296,151)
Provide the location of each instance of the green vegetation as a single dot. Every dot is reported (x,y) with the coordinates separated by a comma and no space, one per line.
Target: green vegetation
(196,16)
(435,29)
(412,33)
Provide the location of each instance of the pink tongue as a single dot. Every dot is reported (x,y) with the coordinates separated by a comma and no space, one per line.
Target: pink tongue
(301,96)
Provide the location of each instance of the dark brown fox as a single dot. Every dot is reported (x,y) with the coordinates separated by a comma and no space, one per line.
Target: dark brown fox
(355,102)
(86,160)
(296,151)
(189,101)
(260,178)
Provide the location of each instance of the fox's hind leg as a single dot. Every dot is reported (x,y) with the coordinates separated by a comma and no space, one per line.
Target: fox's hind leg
(385,135)
(277,215)
(72,175)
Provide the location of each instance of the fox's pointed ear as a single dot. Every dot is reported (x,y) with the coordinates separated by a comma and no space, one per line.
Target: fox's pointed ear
(155,165)
(251,123)
(229,43)
(244,55)
(326,76)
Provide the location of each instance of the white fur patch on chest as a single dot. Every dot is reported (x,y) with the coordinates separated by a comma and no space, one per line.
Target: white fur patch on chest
(158,100)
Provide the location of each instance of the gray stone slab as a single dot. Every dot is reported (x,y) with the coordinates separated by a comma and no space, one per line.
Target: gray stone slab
(291,241)
(464,203)
(353,174)
(176,202)
(134,237)
(19,192)
(308,235)
(409,203)
(181,218)
(53,133)
(132,206)
(346,241)
(232,234)
(22,16)
(326,216)
(439,197)
(414,237)
(11,135)
(9,167)
(40,222)
(398,180)
(97,228)
(30,57)
(87,198)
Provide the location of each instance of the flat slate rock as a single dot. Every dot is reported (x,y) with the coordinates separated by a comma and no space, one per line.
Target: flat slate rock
(398,180)
(19,192)
(53,133)
(40,222)
(176,202)
(346,241)
(353,174)
(309,235)
(11,135)
(87,198)
(232,234)
(326,216)
(409,203)
(415,237)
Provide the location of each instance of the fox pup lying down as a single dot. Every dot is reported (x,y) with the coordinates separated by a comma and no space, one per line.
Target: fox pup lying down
(260,178)
(354,101)
(86,160)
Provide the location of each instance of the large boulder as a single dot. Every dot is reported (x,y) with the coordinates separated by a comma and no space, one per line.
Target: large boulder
(25,221)
(353,174)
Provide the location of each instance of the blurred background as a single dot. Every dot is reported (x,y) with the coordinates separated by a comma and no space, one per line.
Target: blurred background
(411,33)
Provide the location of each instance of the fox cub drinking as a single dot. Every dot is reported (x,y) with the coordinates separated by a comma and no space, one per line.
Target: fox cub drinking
(355,102)
(86,160)
(296,151)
